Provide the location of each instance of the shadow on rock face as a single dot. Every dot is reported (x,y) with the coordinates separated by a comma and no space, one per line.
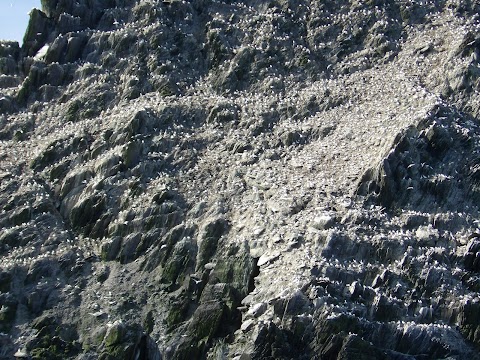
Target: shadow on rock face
(430,167)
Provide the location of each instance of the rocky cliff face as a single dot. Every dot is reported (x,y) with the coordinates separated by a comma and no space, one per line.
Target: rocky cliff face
(286,179)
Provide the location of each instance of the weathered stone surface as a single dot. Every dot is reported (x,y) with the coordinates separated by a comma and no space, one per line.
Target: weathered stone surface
(51,341)
(246,180)
(37,32)
(180,261)
(208,242)
(413,175)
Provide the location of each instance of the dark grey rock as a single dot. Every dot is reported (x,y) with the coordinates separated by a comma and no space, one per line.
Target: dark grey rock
(181,260)
(8,82)
(208,243)
(131,153)
(271,180)
(68,23)
(297,304)
(111,248)
(384,309)
(37,32)
(8,65)
(56,50)
(273,342)
(413,169)
(75,47)
(8,312)
(206,320)
(6,105)
(86,211)
(9,49)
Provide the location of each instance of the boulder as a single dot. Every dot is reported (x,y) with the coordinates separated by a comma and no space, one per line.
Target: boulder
(37,32)
(210,234)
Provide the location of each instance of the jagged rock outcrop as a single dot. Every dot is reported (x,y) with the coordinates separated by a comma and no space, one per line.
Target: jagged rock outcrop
(241,180)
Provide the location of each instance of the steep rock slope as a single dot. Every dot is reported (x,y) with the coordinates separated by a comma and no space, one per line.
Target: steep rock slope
(249,180)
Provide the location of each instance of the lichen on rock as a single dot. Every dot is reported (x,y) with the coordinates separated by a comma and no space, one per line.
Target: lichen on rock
(241,180)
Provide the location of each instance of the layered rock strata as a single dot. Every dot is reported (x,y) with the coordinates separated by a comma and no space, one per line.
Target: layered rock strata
(241,180)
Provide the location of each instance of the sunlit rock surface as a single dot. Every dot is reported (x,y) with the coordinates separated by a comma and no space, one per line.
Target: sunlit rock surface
(241,180)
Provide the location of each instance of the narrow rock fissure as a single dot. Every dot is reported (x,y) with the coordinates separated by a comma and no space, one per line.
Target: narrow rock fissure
(253,275)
